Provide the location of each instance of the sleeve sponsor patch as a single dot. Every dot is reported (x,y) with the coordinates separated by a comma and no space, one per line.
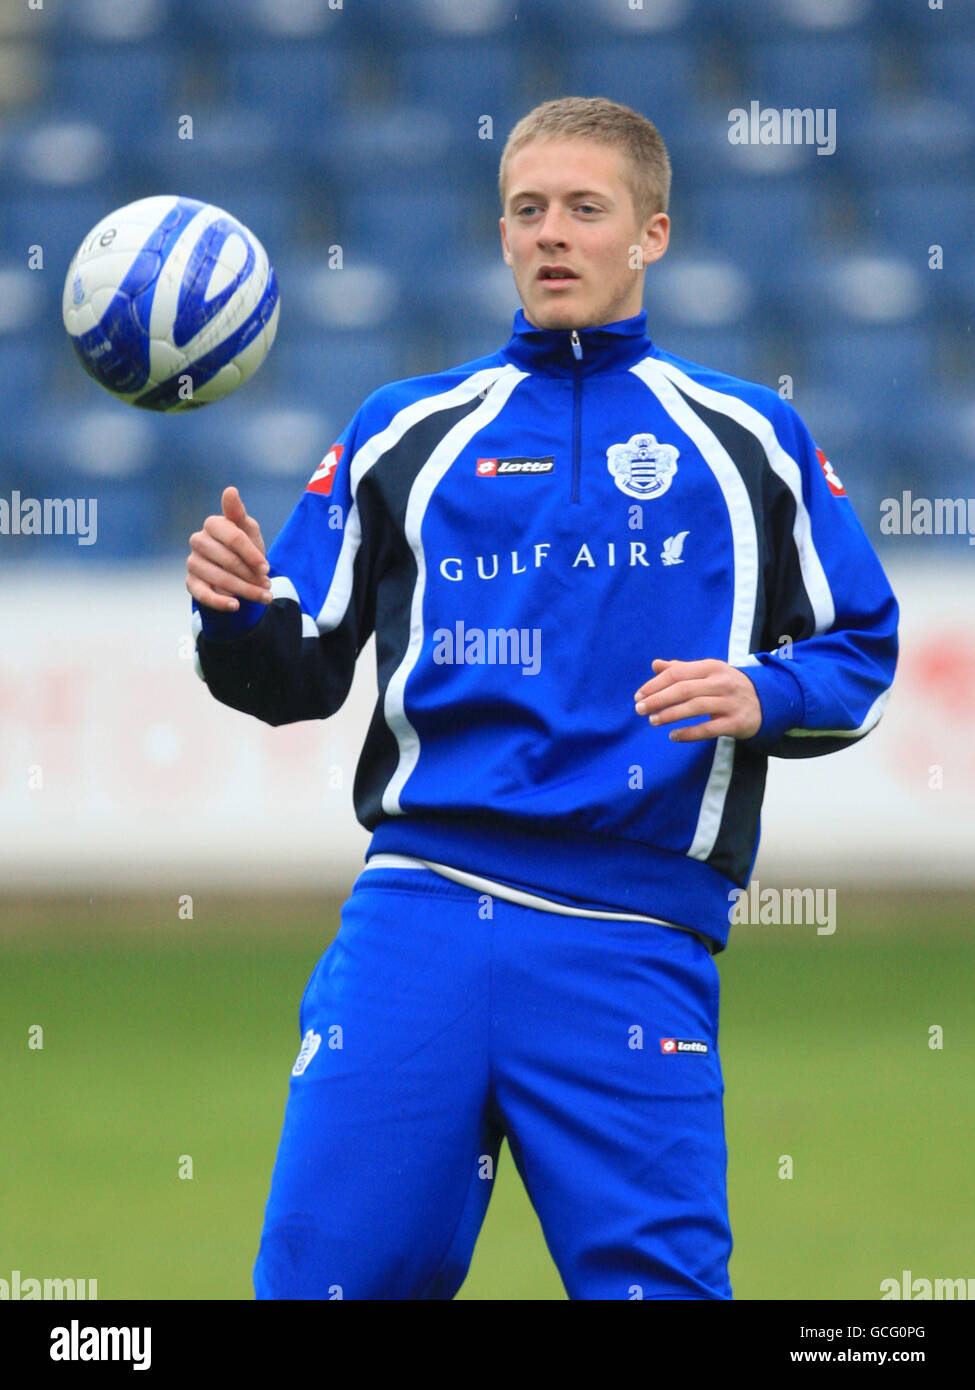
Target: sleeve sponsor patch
(830,474)
(324,475)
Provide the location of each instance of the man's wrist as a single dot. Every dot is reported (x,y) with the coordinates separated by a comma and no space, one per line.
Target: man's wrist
(221,625)
(779,695)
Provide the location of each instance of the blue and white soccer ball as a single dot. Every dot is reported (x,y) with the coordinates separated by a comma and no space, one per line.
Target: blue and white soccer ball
(170,303)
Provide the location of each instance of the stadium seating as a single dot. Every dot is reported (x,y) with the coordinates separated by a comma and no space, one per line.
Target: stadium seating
(649,73)
(131,108)
(828,71)
(359,130)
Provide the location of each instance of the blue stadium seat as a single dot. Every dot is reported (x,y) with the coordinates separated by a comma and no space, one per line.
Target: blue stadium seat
(549,20)
(334,372)
(911,217)
(700,151)
(880,362)
(410,19)
(124,24)
(698,287)
(130,93)
(28,299)
(959,274)
(472,287)
(108,453)
(371,144)
(28,378)
(299,83)
(836,71)
(940,436)
(759,18)
(57,219)
(926,136)
(319,298)
(464,81)
(226,138)
(60,147)
(25,366)
(949,68)
(867,286)
(217,166)
(952,21)
(248,22)
(268,447)
(659,77)
(406,228)
(756,224)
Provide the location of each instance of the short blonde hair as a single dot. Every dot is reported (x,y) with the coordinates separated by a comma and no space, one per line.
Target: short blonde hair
(646,162)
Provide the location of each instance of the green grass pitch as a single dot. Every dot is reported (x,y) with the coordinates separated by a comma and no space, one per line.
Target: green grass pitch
(165,1037)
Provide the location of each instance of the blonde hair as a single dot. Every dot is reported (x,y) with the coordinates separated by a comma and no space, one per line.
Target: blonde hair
(646,164)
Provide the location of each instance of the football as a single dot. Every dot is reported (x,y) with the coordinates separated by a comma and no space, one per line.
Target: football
(170,303)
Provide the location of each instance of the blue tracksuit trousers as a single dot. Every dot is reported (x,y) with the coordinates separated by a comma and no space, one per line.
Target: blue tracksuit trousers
(440,1020)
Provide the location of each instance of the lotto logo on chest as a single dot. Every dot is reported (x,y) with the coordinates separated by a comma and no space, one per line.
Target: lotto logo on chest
(506,468)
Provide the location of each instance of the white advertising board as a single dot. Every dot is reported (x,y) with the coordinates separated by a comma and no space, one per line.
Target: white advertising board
(118,769)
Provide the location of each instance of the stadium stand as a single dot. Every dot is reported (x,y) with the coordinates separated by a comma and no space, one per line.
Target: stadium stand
(360,131)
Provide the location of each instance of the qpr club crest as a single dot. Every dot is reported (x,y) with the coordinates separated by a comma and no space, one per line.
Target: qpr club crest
(641,467)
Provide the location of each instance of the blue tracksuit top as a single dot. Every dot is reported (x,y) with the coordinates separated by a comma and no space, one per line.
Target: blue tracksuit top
(525,534)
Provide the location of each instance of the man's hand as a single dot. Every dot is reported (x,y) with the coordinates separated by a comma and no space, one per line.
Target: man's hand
(227,558)
(683,689)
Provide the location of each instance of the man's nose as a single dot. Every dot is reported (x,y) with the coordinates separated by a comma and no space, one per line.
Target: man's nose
(553,227)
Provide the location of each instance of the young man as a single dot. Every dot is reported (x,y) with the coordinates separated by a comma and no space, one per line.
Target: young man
(567,550)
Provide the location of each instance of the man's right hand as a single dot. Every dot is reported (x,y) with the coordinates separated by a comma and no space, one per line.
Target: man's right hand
(227,558)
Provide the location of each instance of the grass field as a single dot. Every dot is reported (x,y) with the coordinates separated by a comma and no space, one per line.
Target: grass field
(164,1038)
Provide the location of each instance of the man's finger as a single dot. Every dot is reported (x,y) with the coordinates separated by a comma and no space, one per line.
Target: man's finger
(695,733)
(208,547)
(672,671)
(228,533)
(682,689)
(687,709)
(234,510)
(208,597)
(225,581)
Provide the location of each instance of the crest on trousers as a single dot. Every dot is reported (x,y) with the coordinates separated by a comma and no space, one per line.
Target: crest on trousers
(641,467)
(310,1044)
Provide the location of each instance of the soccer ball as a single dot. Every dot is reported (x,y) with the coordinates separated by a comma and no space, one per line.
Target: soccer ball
(170,303)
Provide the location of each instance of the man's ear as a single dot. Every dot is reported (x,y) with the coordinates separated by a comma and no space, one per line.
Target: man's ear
(504,242)
(656,238)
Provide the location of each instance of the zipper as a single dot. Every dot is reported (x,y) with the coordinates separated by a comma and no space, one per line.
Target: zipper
(576,412)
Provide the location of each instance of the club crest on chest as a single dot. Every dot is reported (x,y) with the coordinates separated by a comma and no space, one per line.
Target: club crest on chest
(641,467)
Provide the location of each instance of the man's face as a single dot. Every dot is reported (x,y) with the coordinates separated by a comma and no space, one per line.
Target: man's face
(567,208)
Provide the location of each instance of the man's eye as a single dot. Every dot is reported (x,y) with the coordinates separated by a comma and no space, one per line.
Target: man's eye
(527,210)
(588,207)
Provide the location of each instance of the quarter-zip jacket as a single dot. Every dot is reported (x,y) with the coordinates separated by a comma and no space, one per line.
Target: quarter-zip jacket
(525,534)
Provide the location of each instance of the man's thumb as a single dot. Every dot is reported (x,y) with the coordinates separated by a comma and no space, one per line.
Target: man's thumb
(233,508)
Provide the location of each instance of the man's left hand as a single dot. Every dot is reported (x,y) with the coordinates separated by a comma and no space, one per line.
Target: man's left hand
(683,689)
